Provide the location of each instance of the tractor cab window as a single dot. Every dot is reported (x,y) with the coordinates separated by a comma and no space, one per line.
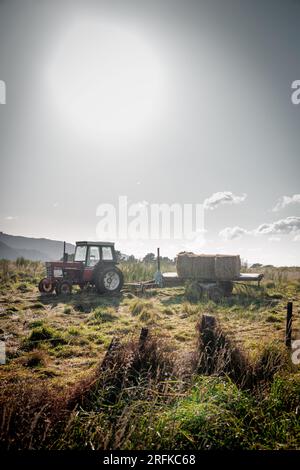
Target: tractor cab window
(107,253)
(93,256)
(80,253)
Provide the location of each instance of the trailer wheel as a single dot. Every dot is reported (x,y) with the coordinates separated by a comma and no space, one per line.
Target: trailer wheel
(227,287)
(109,280)
(194,291)
(63,288)
(215,294)
(46,286)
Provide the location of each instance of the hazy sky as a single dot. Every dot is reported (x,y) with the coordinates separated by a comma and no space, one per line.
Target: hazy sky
(165,102)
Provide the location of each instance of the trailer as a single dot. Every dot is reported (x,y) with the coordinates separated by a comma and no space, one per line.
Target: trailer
(211,288)
(214,289)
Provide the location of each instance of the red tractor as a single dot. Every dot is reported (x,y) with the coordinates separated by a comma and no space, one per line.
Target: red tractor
(94,264)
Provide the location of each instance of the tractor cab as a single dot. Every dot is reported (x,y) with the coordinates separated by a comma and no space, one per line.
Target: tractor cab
(94,264)
(91,253)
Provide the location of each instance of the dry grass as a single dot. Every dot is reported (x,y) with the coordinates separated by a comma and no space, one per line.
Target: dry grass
(56,351)
(140,396)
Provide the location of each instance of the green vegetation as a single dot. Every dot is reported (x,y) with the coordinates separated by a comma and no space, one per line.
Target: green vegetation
(135,270)
(67,309)
(42,334)
(104,314)
(174,389)
(139,398)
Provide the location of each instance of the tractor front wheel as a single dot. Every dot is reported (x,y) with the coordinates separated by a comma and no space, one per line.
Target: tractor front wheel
(109,281)
(46,286)
(63,288)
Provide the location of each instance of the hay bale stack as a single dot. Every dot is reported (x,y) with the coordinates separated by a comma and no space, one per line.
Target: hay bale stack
(184,264)
(207,267)
(204,267)
(193,266)
(227,266)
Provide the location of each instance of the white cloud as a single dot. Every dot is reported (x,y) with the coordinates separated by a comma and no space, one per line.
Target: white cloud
(290,225)
(283,226)
(223,197)
(285,201)
(296,238)
(232,233)
(10,217)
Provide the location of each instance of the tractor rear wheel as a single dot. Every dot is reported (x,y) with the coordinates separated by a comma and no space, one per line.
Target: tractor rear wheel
(46,286)
(109,281)
(63,288)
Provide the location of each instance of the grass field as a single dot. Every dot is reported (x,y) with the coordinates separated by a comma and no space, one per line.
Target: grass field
(61,389)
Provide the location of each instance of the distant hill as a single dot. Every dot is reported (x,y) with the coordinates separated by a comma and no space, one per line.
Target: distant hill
(6,252)
(36,249)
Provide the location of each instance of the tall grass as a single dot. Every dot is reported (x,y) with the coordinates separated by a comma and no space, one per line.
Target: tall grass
(141,271)
(21,269)
(143,396)
(140,397)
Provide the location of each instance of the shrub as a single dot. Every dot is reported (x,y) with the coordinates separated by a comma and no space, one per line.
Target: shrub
(272,358)
(145,310)
(36,358)
(21,261)
(213,416)
(285,393)
(74,331)
(272,319)
(24,287)
(103,315)
(141,305)
(35,324)
(168,311)
(4,266)
(190,309)
(44,334)
(67,309)
(149,316)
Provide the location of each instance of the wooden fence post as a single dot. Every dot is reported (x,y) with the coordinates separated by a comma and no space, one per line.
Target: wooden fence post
(289,319)
(143,335)
(208,322)
(109,355)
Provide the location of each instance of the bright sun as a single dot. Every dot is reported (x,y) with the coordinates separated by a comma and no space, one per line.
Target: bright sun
(105,81)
